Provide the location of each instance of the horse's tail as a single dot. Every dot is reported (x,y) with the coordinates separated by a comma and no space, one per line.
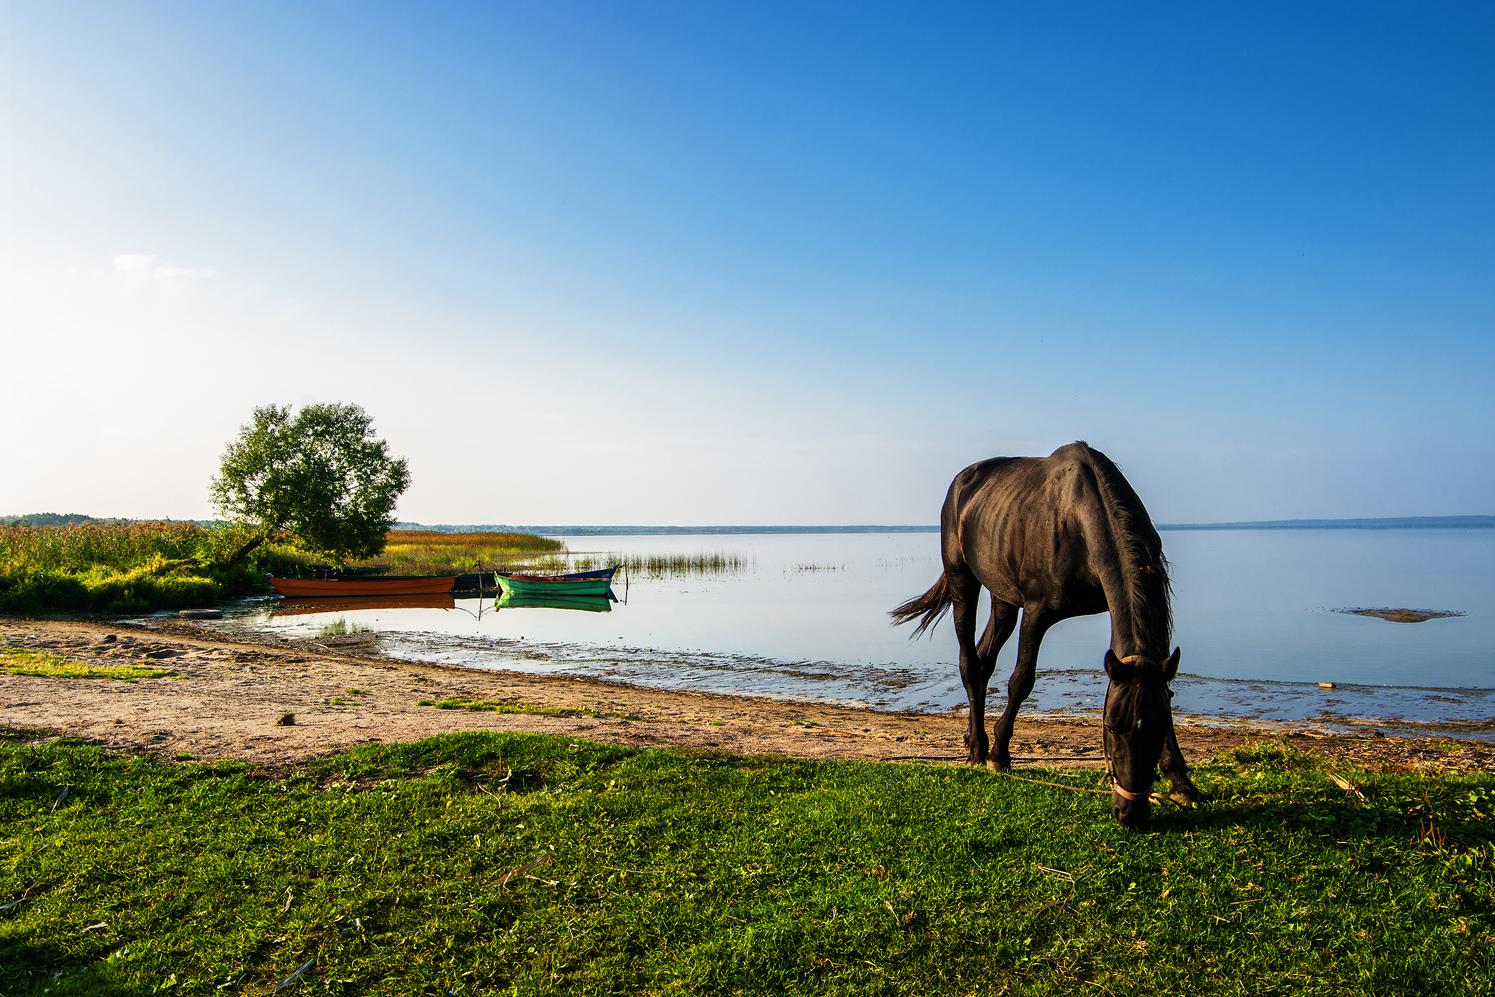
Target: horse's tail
(931,606)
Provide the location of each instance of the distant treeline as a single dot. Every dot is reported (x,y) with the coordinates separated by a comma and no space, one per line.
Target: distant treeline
(655,531)
(1387,523)
(51,519)
(78,519)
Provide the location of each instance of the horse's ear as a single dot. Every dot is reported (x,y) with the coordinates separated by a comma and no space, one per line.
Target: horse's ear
(1170,667)
(1114,667)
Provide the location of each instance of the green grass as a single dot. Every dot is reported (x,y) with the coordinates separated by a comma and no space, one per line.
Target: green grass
(497,706)
(341,628)
(485,863)
(26,661)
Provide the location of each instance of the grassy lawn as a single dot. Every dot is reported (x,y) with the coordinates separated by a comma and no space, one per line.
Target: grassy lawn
(484,863)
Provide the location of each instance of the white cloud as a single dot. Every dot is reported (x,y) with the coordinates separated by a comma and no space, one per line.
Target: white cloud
(149,265)
(190,273)
(135,263)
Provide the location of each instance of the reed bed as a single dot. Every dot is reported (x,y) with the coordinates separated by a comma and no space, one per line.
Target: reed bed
(649,565)
(701,563)
(429,552)
(85,545)
(129,567)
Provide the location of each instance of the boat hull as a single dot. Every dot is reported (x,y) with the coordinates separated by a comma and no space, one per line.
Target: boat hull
(354,588)
(517,585)
(578,583)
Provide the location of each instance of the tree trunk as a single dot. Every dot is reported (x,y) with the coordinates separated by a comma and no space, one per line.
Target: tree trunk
(245,550)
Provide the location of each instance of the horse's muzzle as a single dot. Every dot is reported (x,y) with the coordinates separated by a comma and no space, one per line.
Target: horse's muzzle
(1132,813)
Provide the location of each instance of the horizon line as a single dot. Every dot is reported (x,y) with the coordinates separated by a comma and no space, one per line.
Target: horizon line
(1479,521)
(1471,521)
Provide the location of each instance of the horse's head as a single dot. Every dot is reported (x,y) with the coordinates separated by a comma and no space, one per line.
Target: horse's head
(1138,717)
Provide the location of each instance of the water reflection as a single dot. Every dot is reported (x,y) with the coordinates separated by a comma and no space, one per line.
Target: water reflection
(582,603)
(313,607)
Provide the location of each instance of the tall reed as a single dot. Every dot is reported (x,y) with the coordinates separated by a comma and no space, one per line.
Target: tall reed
(649,565)
(127,567)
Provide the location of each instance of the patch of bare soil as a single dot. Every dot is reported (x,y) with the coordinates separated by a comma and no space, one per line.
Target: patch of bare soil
(1405,615)
(228,699)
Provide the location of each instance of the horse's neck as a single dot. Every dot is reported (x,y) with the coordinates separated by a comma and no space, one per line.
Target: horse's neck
(1132,632)
(1126,635)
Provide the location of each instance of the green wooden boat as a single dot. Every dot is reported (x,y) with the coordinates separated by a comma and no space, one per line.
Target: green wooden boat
(590,583)
(584,603)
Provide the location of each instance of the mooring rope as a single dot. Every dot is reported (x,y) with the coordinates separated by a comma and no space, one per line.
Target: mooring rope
(1155,797)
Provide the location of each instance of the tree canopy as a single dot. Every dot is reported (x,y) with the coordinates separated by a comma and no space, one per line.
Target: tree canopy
(320,474)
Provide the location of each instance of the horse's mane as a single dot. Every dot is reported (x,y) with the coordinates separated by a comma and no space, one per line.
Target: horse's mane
(1138,546)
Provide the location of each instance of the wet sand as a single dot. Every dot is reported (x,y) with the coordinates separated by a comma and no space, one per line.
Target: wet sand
(226,695)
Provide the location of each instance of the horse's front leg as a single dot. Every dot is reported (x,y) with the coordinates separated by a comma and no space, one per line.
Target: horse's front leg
(1177,772)
(1035,624)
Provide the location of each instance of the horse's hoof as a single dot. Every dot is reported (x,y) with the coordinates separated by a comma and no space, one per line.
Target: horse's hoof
(998,766)
(1187,795)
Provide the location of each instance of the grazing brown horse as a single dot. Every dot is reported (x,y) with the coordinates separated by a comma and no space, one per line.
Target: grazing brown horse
(1056,537)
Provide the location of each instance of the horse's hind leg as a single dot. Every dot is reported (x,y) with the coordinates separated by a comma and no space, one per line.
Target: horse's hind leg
(1035,624)
(964,591)
(998,629)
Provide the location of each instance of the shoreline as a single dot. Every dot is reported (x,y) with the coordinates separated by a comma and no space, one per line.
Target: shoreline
(890,686)
(225,696)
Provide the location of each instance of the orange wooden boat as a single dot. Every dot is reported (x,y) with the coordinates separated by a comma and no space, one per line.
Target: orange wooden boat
(355,588)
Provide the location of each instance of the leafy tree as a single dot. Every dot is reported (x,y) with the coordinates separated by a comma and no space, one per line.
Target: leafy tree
(320,475)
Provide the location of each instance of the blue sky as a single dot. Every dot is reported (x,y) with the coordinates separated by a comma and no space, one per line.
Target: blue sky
(709,263)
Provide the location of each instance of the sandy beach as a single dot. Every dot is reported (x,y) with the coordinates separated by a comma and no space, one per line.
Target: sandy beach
(225,699)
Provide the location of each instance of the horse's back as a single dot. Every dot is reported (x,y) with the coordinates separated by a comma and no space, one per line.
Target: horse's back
(989,498)
(1010,520)
(1005,486)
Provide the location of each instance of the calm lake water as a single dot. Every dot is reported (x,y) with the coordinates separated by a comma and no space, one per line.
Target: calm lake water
(807,618)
